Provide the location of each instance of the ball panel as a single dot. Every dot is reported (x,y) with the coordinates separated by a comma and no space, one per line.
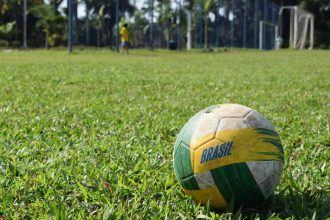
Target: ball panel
(182,162)
(189,183)
(269,185)
(178,141)
(211,155)
(236,182)
(231,111)
(278,168)
(211,194)
(232,123)
(205,130)
(265,176)
(271,137)
(234,146)
(205,180)
(190,127)
(256,120)
(261,170)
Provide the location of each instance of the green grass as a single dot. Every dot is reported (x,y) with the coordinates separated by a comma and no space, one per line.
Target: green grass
(90,135)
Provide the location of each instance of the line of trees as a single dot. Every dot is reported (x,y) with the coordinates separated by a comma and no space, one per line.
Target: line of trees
(47,22)
(175,21)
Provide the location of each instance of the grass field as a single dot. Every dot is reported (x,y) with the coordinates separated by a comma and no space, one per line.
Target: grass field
(90,135)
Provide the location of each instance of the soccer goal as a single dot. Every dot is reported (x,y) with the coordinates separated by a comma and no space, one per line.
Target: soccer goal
(301,30)
(267,35)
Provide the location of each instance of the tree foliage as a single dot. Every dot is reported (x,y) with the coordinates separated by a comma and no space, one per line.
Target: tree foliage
(7,28)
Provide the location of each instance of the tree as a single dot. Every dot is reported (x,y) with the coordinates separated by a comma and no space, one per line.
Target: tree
(188,6)
(108,7)
(208,5)
(321,11)
(9,12)
(165,19)
(89,6)
(55,5)
(48,19)
(140,23)
(99,24)
(149,11)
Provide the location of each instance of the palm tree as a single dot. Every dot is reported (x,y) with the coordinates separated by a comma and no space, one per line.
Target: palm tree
(188,6)
(99,23)
(47,19)
(88,8)
(55,5)
(104,22)
(140,23)
(208,4)
(149,8)
(164,19)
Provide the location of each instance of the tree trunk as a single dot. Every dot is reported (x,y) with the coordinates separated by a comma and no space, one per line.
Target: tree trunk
(189,29)
(25,25)
(108,31)
(87,26)
(98,38)
(46,41)
(205,30)
(168,37)
(76,23)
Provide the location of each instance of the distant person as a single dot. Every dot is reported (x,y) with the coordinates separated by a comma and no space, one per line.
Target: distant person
(124,39)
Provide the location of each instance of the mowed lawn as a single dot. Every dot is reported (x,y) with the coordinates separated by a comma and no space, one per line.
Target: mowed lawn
(90,135)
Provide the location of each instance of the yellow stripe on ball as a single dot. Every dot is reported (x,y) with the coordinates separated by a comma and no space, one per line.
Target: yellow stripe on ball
(204,195)
(234,146)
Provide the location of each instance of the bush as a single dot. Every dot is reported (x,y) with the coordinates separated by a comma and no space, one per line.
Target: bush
(323,46)
(3,43)
(15,44)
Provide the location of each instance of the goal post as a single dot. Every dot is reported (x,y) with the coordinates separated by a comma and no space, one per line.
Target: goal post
(301,28)
(272,36)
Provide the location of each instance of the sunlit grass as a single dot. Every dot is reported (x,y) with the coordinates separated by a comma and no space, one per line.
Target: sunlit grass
(90,135)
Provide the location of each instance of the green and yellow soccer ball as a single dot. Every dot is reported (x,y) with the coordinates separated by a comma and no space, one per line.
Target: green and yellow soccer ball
(228,154)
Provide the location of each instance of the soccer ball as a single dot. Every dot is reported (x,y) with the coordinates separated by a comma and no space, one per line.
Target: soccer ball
(228,154)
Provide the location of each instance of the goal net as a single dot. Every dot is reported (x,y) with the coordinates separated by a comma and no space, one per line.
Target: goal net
(301,27)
